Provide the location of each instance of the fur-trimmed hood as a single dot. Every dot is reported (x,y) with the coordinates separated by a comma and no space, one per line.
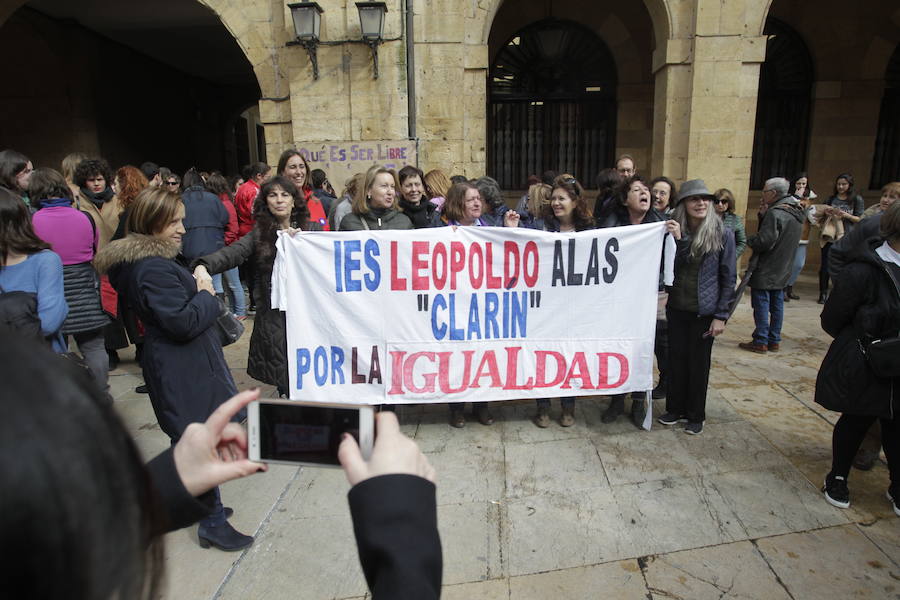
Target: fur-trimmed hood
(133,248)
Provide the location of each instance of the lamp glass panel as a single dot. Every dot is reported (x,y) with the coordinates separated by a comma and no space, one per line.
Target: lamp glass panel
(371,21)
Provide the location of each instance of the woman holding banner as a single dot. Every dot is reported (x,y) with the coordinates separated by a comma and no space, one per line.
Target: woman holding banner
(464,208)
(698,304)
(567,211)
(279,205)
(631,205)
(375,205)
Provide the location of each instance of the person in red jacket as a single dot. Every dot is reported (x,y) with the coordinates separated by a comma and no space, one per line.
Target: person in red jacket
(243,204)
(246,196)
(293,165)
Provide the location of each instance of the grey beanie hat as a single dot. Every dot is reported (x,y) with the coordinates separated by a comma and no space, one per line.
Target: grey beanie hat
(693,187)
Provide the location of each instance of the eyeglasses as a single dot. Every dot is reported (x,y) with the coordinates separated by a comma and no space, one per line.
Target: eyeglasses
(171,183)
(720,201)
(573,182)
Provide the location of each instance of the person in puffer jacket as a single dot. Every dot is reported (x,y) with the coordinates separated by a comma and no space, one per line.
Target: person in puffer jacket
(698,304)
(74,236)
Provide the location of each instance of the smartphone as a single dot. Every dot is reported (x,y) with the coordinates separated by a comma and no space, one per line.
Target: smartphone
(306,433)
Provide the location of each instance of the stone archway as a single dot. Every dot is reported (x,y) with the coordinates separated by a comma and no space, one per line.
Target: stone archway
(128,81)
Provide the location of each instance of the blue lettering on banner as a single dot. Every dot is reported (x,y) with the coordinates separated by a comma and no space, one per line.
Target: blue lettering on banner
(439,331)
(373,278)
(320,357)
(303,365)
(502,317)
(338,270)
(350,265)
(337,362)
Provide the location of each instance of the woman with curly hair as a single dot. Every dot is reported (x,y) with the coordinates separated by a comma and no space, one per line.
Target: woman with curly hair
(97,198)
(567,211)
(279,205)
(129,182)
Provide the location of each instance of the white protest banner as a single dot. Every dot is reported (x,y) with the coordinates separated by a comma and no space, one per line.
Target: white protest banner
(468,313)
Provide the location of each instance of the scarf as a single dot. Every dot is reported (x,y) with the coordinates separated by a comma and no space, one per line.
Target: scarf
(99,198)
(54,202)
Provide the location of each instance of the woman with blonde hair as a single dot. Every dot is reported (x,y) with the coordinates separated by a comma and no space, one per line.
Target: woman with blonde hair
(183,365)
(69,164)
(437,184)
(375,205)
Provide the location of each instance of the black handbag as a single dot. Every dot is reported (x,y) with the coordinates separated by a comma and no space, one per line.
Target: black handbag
(884,357)
(230,328)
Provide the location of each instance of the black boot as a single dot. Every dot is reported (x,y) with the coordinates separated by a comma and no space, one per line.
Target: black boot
(785,294)
(789,293)
(637,410)
(224,537)
(823,296)
(616,408)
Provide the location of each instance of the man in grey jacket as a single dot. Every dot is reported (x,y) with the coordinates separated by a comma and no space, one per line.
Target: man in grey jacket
(773,246)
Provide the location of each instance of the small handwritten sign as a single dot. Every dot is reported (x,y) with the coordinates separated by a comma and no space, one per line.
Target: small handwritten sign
(341,160)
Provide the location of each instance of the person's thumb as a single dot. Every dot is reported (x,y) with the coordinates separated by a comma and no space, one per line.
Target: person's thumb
(351,459)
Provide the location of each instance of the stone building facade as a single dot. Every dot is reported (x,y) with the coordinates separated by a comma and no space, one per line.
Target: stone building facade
(685,91)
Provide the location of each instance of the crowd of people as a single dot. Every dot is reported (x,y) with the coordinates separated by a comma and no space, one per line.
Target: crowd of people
(145,256)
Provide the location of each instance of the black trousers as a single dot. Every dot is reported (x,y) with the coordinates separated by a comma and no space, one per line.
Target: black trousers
(848,434)
(661,350)
(689,359)
(823,269)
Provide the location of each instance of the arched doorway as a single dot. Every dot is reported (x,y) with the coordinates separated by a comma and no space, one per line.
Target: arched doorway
(551,103)
(886,162)
(781,138)
(130,81)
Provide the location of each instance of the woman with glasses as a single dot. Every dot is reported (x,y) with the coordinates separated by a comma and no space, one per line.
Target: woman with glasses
(698,303)
(724,205)
(631,205)
(567,211)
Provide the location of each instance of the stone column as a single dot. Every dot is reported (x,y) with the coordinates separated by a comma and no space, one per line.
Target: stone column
(705,105)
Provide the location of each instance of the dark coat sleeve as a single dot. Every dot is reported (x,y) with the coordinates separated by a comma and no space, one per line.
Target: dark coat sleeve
(853,240)
(231,256)
(179,314)
(727,273)
(848,294)
(395,522)
(180,509)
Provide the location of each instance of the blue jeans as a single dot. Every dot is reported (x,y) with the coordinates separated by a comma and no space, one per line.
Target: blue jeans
(799,261)
(235,289)
(768,315)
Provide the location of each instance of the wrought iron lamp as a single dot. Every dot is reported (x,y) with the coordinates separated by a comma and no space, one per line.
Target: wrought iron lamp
(371,21)
(307,18)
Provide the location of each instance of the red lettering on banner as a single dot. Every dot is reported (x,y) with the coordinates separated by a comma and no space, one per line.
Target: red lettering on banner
(439,258)
(512,367)
(603,359)
(419,281)
(493,282)
(397,282)
(531,274)
(510,264)
(409,367)
(396,372)
(444,372)
(541,374)
(582,373)
(487,368)
(475,250)
(457,261)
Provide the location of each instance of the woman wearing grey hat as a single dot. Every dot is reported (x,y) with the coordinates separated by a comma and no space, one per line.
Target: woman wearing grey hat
(698,302)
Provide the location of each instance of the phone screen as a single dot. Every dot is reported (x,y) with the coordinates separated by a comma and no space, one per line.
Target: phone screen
(300,433)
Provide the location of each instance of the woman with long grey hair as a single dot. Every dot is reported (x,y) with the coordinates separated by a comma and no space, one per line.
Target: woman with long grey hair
(698,303)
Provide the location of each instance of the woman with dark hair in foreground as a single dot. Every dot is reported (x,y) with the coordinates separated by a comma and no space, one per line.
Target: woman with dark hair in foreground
(100,538)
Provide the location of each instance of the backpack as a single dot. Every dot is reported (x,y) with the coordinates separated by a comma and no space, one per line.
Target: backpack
(19,314)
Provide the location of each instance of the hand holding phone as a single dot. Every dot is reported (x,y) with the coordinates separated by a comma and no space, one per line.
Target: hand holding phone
(305,433)
(394,453)
(209,454)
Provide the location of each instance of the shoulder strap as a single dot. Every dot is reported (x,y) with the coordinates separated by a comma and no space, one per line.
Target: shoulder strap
(93,231)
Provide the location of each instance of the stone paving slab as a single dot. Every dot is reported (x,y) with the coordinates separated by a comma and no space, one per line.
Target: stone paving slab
(585,511)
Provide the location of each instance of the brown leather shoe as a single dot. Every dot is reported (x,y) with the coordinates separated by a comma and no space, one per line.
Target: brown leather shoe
(484,414)
(774,347)
(753,347)
(542,417)
(567,419)
(457,419)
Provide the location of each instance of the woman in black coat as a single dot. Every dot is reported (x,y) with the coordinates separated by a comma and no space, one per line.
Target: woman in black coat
(863,306)
(279,205)
(183,364)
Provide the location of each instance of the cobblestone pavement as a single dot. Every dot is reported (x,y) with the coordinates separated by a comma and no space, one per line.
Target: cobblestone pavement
(589,511)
